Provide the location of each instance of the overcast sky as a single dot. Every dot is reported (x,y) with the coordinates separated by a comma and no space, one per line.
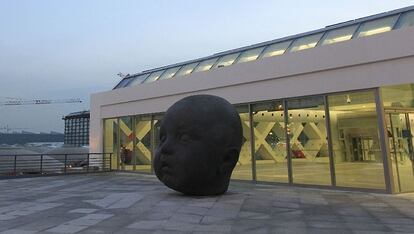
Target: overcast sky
(69,49)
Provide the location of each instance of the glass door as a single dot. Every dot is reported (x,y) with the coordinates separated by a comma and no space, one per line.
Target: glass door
(400,137)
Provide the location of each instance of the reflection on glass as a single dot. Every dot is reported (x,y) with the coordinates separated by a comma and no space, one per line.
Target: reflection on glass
(270,142)
(338,35)
(398,101)
(407,20)
(243,169)
(250,55)
(205,65)
(276,49)
(169,73)
(398,96)
(308,145)
(186,69)
(143,155)
(111,141)
(306,42)
(123,83)
(138,80)
(226,60)
(355,140)
(126,144)
(153,77)
(377,26)
(400,138)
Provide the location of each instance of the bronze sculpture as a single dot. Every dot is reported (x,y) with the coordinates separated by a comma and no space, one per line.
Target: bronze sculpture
(200,141)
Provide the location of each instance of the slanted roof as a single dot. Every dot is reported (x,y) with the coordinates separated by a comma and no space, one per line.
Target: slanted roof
(331,34)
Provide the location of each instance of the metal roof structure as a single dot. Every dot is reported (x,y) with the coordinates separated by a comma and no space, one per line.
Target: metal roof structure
(361,27)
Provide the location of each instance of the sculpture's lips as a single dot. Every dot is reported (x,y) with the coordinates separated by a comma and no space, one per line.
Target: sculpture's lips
(165,168)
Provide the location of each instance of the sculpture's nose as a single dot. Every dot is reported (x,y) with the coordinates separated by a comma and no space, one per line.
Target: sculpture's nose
(166,147)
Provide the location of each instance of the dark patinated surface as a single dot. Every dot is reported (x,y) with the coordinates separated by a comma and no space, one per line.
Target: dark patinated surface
(200,141)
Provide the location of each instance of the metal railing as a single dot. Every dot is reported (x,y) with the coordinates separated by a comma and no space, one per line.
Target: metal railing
(53,164)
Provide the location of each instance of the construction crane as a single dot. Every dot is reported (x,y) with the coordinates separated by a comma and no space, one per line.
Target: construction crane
(19,102)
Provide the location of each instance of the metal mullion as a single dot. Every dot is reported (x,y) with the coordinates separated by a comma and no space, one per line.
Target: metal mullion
(263,51)
(357,30)
(322,38)
(394,145)
(162,73)
(252,143)
(288,154)
(330,146)
(134,143)
(118,144)
(153,148)
(397,21)
(215,63)
(179,69)
(238,57)
(388,175)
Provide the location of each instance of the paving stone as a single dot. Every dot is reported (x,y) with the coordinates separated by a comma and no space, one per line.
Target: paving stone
(83,211)
(133,203)
(147,225)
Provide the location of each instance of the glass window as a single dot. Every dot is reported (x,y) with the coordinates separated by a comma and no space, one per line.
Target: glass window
(276,49)
(306,42)
(377,26)
(111,140)
(308,141)
(338,35)
(138,79)
(270,142)
(205,65)
(243,169)
(186,69)
(126,138)
(398,96)
(250,55)
(123,83)
(143,150)
(226,60)
(406,20)
(153,77)
(169,73)
(398,103)
(355,141)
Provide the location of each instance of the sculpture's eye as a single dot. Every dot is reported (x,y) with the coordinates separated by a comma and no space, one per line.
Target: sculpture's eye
(184,137)
(162,138)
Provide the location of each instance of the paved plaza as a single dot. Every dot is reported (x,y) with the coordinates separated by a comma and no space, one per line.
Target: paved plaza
(133,203)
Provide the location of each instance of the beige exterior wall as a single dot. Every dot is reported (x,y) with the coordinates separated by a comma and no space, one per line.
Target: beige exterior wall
(361,63)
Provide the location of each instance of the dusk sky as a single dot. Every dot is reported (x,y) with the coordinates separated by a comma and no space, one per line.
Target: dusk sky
(53,49)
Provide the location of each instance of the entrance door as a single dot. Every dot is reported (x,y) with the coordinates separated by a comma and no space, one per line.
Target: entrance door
(362,148)
(400,134)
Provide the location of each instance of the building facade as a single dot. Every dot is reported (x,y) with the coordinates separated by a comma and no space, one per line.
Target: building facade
(333,107)
(77,128)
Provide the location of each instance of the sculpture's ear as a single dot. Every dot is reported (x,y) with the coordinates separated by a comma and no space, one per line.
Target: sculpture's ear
(230,159)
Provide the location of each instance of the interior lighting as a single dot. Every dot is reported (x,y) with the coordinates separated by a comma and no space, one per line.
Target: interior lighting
(338,39)
(375,31)
(250,58)
(306,46)
(274,53)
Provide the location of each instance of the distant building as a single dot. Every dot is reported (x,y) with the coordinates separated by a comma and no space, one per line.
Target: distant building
(77,128)
(29,137)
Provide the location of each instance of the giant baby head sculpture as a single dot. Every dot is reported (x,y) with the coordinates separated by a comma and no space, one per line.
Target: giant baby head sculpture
(200,141)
